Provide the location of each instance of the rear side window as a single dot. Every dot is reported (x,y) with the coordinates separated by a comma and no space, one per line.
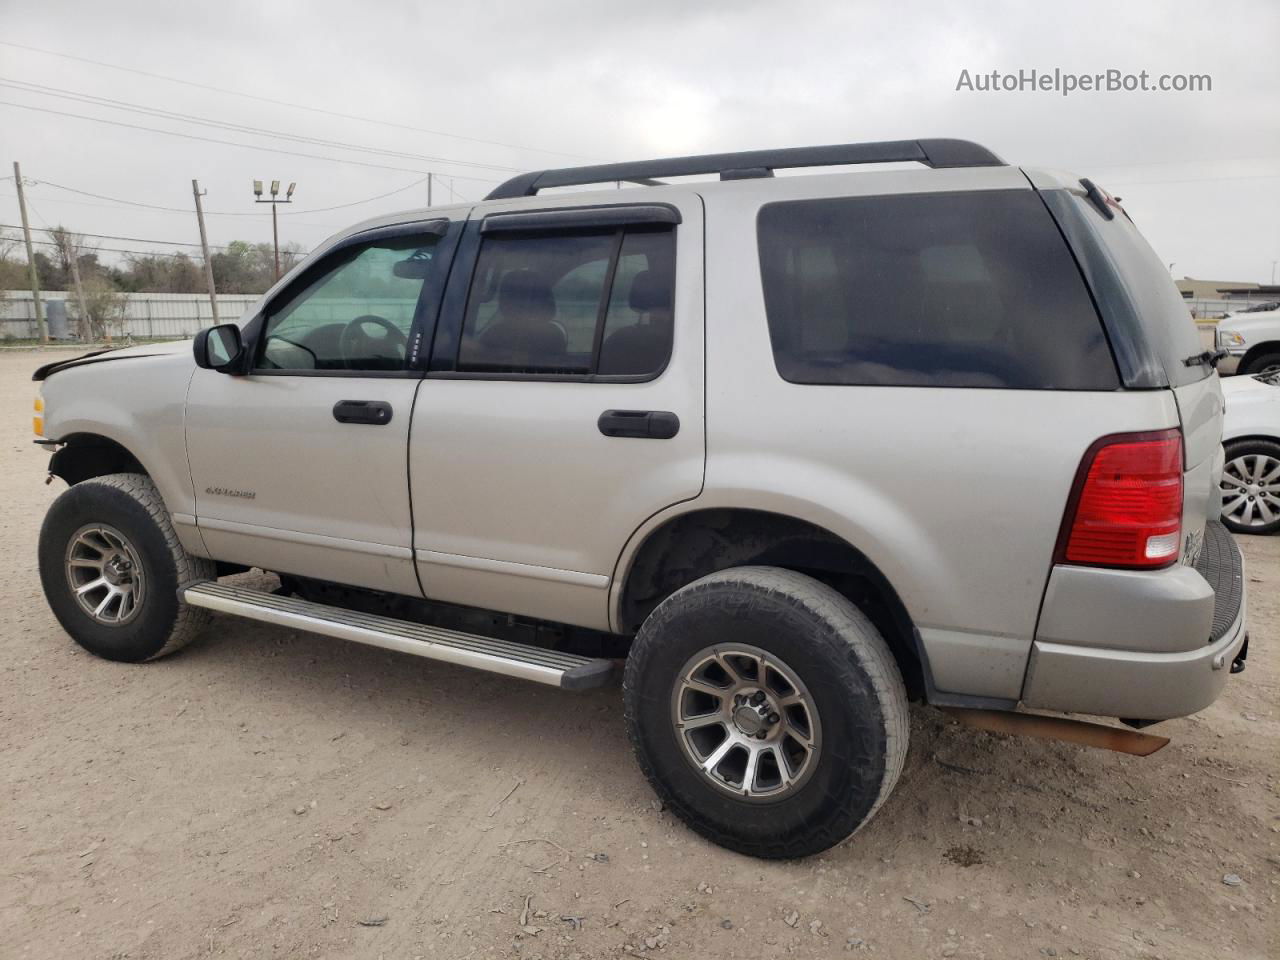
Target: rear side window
(950,289)
(571,304)
(1153,298)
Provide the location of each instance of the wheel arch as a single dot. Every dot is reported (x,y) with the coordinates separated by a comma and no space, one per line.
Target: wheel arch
(1250,438)
(693,544)
(84,456)
(1257,350)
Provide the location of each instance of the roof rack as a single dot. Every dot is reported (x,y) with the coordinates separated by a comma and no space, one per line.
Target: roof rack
(753,163)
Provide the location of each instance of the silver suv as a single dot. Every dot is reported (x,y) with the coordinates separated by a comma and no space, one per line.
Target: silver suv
(799,449)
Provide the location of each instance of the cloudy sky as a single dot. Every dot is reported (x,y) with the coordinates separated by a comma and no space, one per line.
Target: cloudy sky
(363,99)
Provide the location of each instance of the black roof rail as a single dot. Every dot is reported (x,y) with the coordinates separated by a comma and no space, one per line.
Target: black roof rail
(753,163)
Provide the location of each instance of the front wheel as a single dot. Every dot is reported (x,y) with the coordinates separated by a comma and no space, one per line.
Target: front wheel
(766,711)
(111,567)
(1262,364)
(1251,487)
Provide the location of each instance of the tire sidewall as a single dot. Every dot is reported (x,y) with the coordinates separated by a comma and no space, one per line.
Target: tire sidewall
(845,786)
(1258,364)
(146,634)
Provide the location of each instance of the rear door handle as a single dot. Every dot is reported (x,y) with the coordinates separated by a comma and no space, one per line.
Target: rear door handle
(376,412)
(649,424)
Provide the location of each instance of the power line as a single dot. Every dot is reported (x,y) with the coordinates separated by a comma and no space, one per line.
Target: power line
(221,213)
(230,143)
(112,104)
(286,103)
(108,236)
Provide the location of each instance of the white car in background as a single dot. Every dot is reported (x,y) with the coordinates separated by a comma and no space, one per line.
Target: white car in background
(1251,437)
(1251,339)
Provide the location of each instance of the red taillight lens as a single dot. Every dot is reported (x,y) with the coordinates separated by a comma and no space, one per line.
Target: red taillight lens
(1126,510)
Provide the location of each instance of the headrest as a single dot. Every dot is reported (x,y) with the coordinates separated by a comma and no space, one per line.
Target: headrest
(524,292)
(649,291)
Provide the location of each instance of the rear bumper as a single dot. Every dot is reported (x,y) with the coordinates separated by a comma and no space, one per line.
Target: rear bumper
(1166,677)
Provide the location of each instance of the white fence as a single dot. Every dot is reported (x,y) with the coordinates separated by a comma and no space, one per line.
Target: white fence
(146,315)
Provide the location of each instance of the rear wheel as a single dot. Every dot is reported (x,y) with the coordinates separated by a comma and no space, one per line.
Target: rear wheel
(766,711)
(111,567)
(1251,487)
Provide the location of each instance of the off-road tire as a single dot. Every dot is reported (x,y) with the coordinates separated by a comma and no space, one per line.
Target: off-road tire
(840,657)
(130,503)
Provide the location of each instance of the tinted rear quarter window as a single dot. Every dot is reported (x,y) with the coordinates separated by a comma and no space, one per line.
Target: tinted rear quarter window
(1165,320)
(971,289)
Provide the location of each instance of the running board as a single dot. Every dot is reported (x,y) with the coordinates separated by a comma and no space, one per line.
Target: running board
(564,670)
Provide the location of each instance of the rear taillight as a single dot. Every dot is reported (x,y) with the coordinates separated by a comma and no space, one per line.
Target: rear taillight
(1126,507)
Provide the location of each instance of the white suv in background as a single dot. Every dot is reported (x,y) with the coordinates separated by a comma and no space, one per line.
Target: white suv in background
(800,449)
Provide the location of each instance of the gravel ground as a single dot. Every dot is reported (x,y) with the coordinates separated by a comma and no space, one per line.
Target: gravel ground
(267,793)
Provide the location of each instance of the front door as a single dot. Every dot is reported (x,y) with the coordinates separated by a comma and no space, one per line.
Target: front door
(299,467)
(564,403)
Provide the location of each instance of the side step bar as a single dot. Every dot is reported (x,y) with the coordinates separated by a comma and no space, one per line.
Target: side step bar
(564,670)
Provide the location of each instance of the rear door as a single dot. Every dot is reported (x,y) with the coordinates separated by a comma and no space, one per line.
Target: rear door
(564,401)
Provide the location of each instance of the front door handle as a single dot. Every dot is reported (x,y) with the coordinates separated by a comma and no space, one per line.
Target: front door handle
(376,412)
(650,424)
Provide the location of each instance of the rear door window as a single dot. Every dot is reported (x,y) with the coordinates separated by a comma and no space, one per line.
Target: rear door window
(971,289)
(588,303)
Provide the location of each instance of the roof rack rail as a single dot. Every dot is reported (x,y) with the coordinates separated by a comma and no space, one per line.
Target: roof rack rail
(753,163)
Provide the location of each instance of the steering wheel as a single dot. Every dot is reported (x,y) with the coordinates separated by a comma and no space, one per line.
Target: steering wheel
(354,341)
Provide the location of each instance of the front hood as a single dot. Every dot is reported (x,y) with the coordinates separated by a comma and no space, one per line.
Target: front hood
(1245,322)
(167,348)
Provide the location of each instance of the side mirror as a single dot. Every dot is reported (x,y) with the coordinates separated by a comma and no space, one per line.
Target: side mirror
(219,348)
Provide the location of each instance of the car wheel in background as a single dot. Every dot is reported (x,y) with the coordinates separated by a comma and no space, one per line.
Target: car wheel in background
(1251,486)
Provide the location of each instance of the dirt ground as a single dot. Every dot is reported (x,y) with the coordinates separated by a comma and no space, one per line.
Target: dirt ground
(267,793)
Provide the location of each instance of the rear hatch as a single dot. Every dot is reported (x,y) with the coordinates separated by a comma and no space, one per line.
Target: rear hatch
(1154,338)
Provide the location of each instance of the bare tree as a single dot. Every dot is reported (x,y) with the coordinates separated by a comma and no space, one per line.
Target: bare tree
(70,248)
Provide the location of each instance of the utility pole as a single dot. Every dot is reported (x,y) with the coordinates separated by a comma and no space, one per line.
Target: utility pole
(31,257)
(204,245)
(429,178)
(275,224)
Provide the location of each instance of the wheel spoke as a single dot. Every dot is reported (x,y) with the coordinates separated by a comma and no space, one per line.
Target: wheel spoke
(100,610)
(718,754)
(1233,480)
(753,761)
(784,768)
(710,689)
(734,677)
(1265,511)
(92,585)
(697,723)
(1232,508)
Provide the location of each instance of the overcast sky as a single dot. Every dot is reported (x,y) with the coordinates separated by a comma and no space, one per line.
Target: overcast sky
(552,83)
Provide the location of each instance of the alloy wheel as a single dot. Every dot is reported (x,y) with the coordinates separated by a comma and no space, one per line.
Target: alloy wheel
(1251,490)
(746,722)
(105,574)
